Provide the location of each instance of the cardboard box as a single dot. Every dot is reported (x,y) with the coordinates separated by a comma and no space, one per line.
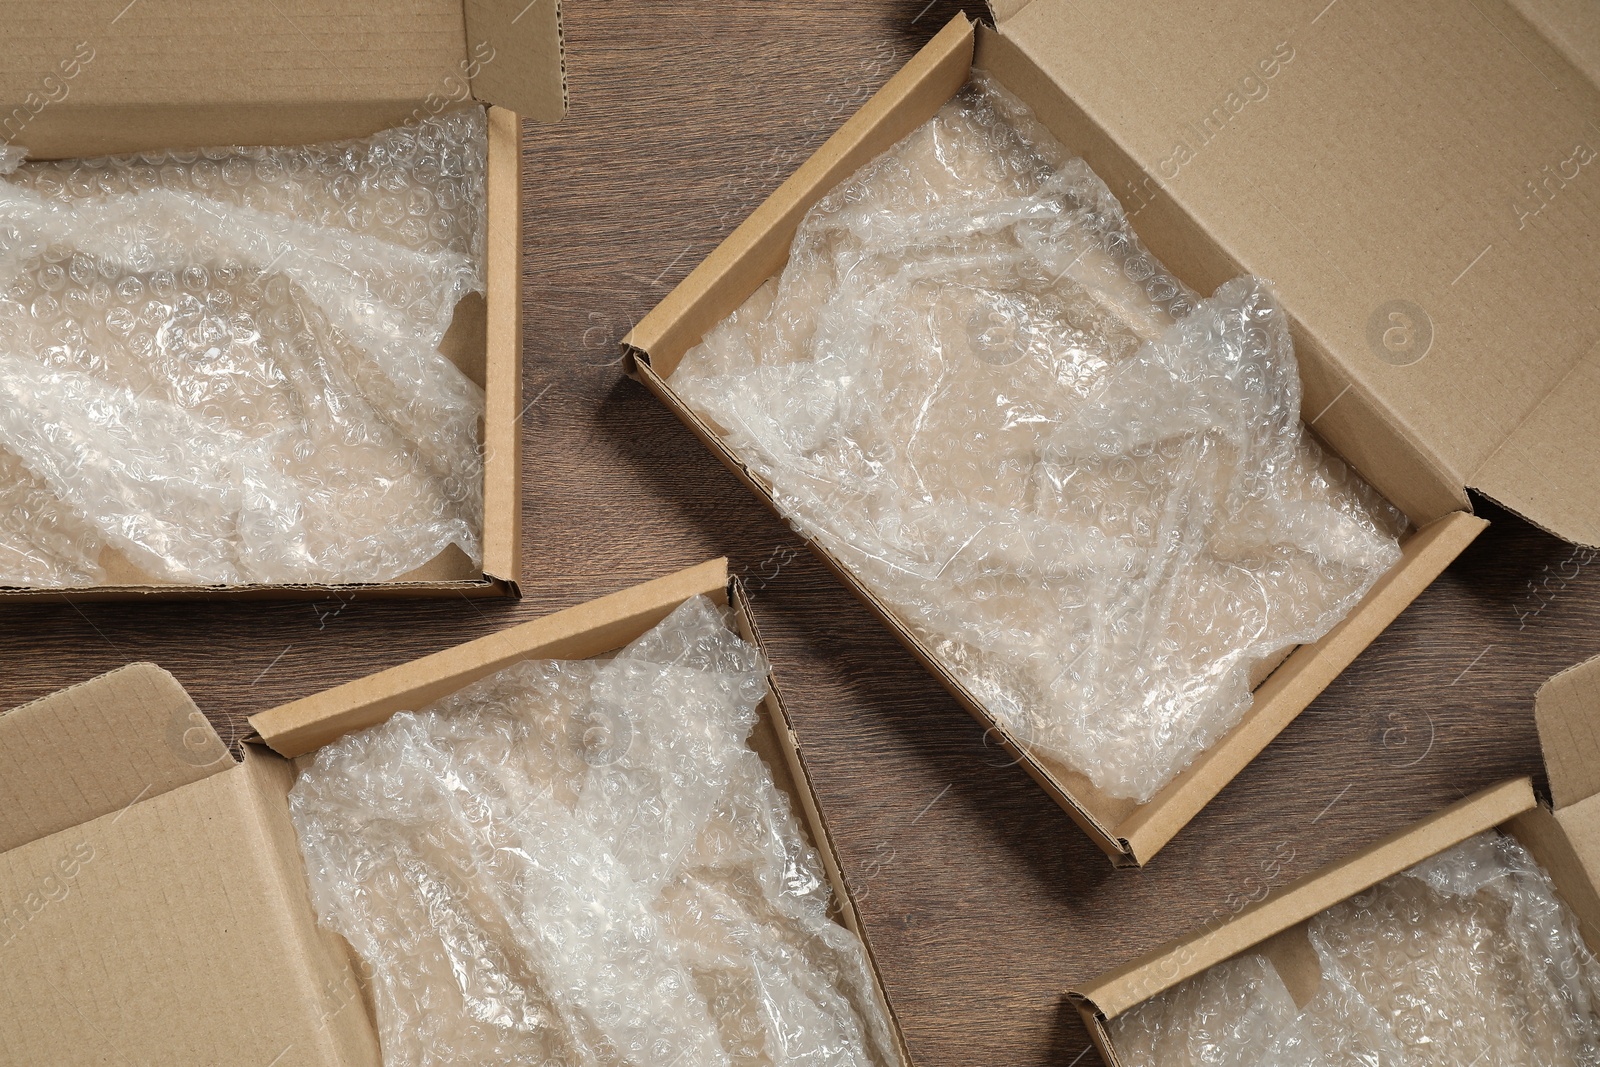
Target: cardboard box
(1564,836)
(155,905)
(1338,152)
(93,78)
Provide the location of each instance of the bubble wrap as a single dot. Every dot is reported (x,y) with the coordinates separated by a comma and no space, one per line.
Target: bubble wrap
(1466,960)
(1085,488)
(224,363)
(585,863)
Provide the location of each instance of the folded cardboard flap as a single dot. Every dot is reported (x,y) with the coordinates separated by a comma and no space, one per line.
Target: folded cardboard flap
(1453,331)
(99,76)
(174,931)
(1567,713)
(98,748)
(152,909)
(601,625)
(1567,710)
(1573,26)
(520,48)
(501,339)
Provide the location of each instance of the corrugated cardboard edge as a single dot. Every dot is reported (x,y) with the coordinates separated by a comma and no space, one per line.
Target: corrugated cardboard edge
(535,82)
(1567,711)
(1301,678)
(1121,989)
(811,810)
(303,725)
(760,245)
(98,747)
(502,413)
(96,594)
(1544,470)
(323,958)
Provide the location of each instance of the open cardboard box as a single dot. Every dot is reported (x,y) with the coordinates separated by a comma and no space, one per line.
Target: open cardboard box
(1353,155)
(107,76)
(1564,836)
(156,908)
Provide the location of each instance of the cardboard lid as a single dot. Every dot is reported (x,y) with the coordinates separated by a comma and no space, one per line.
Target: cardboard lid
(1567,710)
(98,748)
(1420,182)
(88,53)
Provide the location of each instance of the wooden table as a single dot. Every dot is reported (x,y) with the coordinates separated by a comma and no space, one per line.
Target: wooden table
(982,900)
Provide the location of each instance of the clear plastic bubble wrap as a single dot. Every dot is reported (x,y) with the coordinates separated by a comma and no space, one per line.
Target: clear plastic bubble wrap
(585,863)
(1086,489)
(224,363)
(1468,959)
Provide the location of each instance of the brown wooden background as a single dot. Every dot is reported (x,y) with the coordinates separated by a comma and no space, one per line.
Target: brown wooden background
(982,900)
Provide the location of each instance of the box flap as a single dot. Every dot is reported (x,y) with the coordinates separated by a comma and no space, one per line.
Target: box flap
(1567,710)
(81,54)
(601,625)
(177,930)
(1573,26)
(1548,468)
(1421,183)
(100,748)
(518,48)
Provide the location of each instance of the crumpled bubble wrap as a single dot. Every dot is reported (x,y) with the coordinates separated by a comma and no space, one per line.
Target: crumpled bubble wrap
(585,863)
(1469,959)
(224,363)
(1085,488)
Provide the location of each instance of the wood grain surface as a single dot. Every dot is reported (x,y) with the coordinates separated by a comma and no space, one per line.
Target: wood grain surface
(982,899)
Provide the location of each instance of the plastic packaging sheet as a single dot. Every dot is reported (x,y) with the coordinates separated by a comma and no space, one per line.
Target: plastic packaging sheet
(1086,489)
(585,863)
(224,363)
(1467,960)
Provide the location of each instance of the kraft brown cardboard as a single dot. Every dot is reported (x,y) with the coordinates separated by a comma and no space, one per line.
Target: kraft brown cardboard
(97,77)
(1459,313)
(84,78)
(166,920)
(300,726)
(1382,451)
(153,907)
(1564,836)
